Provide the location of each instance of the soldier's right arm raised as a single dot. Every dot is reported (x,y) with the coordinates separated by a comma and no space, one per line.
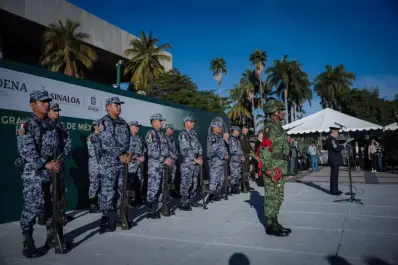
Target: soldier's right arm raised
(27,146)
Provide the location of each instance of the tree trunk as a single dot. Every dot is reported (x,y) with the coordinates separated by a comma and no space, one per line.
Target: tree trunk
(286,107)
(292,112)
(219,85)
(295,113)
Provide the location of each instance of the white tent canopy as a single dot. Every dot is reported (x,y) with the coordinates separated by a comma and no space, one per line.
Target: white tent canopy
(391,127)
(326,118)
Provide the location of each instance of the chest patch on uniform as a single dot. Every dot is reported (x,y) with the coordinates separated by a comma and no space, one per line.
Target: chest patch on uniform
(21,130)
(149,138)
(89,141)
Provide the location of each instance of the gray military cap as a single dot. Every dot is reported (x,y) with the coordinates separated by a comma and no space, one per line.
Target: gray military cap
(114,100)
(40,95)
(54,106)
(170,126)
(233,128)
(134,123)
(158,117)
(189,118)
(216,124)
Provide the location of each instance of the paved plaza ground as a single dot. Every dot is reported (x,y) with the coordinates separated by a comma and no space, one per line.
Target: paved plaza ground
(231,232)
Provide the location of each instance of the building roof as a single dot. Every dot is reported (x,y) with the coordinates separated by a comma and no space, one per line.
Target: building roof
(103,34)
(321,121)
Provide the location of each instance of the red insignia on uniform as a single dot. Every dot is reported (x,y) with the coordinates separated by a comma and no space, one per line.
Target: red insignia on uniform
(276,174)
(267,143)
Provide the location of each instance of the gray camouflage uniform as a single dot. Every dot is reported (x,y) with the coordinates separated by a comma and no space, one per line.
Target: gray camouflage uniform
(65,142)
(94,156)
(138,148)
(115,141)
(190,149)
(218,151)
(36,145)
(173,151)
(236,152)
(157,153)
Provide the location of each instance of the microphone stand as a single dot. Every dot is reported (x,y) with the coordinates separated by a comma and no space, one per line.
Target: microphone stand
(352,194)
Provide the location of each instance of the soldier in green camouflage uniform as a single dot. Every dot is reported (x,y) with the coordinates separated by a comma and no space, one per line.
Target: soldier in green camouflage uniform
(274,154)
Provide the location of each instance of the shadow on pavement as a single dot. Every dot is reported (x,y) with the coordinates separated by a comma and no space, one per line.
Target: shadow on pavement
(315,186)
(239,259)
(256,201)
(337,260)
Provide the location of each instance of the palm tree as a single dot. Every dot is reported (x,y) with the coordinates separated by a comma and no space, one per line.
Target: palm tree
(287,76)
(258,58)
(332,84)
(250,80)
(239,106)
(219,68)
(65,50)
(145,63)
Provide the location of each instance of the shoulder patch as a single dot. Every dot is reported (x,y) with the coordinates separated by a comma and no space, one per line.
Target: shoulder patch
(22,128)
(149,137)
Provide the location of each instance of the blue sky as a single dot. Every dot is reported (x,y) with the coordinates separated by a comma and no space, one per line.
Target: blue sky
(361,34)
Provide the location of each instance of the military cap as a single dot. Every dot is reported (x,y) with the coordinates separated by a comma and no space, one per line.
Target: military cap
(40,95)
(333,128)
(245,126)
(170,126)
(134,123)
(54,106)
(273,105)
(158,117)
(114,100)
(233,128)
(189,118)
(96,122)
(216,124)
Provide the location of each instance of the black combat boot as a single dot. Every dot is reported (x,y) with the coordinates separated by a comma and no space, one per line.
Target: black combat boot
(273,230)
(152,211)
(286,230)
(29,249)
(108,222)
(184,205)
(93,208)
(235,189)
(194,204)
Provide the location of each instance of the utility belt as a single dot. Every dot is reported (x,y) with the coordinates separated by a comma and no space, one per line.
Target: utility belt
(280,157)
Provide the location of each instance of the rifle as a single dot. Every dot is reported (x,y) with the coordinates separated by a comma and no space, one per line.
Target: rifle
(226,180)
(166,193)
(124,205)
(243,178)
(203,189)
(59,204)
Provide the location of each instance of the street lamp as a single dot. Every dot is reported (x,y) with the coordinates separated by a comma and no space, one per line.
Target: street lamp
(119,72)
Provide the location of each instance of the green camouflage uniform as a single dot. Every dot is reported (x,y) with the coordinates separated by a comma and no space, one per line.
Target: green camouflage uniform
(278,158)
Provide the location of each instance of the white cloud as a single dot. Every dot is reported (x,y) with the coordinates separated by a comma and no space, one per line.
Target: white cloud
(388,84)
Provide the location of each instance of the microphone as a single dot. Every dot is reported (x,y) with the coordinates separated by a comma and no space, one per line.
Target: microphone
(342,126)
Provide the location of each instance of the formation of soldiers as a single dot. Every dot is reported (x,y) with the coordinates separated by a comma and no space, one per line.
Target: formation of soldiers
(116,165)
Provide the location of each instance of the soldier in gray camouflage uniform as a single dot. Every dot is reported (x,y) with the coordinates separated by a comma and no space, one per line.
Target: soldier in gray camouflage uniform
(94,156)
(135,167)
(191,160)
(35,142)
(173,151)
(158,156)
(218,155)
(236,160)
(115,154)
